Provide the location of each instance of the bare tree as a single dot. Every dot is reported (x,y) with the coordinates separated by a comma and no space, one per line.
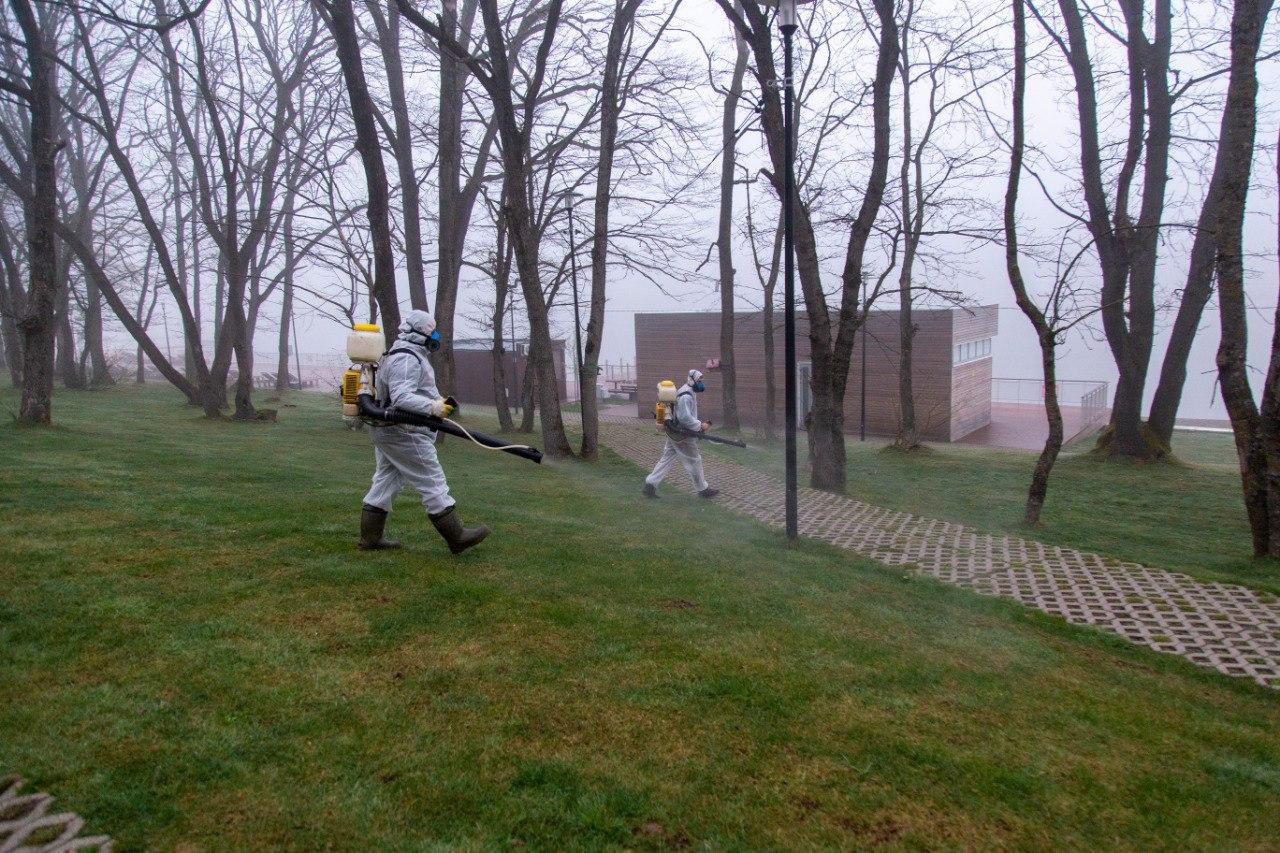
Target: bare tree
(400,136)
(1040,318)
(12,301)
(38,91)
(1128,246)
(624,87)
(831,339)
(1256,429)
(724,242)
(456,196)
(514,113)
(340,19)
(767,274)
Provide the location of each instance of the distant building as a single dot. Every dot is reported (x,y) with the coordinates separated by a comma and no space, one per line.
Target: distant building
(951,367)
(473,363)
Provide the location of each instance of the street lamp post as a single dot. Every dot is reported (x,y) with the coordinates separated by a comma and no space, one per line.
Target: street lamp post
(577,318)
(787,24)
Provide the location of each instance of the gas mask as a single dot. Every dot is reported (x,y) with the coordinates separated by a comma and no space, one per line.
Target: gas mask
(699,386)
(432,342)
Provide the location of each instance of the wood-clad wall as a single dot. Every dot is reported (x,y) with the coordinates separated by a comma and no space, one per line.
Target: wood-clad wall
(668,345)
(474,371)
(971,382)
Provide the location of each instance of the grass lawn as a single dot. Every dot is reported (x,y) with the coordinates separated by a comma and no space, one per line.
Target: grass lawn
(1186,515)
(193,654)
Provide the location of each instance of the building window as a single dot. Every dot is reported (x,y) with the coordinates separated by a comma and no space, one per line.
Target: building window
(972,351)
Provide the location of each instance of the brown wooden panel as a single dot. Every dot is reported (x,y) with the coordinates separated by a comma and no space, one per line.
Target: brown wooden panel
(474,370)
(971,397)
(974,324)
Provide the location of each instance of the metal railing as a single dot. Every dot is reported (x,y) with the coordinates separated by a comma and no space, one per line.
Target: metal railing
(617,379)
(1088,395)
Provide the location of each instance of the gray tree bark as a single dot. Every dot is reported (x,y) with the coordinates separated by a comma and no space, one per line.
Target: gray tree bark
(36,326)
(1256,430)
(724,235)
(340,19)
(611,101)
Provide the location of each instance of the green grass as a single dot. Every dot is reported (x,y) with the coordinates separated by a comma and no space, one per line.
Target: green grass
(192,654)
(1186,515)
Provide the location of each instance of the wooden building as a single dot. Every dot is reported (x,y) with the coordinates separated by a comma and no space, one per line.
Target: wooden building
(473,365)
(951,367)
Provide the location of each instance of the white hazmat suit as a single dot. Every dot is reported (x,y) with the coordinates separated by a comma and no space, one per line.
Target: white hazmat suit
(407,454)
(683,449)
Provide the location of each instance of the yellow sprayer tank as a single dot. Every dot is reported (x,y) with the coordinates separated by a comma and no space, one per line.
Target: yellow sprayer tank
(350,392)
(666,400)
(365,344)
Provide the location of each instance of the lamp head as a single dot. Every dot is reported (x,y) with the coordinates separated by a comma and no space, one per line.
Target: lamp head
(786,11)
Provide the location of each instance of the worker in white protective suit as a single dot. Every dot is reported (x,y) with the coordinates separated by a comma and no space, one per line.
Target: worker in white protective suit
(683,448)
(407,454)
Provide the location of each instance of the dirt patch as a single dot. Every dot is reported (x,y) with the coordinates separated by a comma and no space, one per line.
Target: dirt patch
(876,831)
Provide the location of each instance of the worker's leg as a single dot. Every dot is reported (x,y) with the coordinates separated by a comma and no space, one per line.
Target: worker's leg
(387,481)
(665,461)
(691,458)
(414,454)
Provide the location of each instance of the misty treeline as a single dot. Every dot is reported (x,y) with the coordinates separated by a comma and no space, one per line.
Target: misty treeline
(217,167)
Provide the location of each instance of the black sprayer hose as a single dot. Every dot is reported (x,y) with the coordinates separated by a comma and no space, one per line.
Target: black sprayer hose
(369,408)
(679,432)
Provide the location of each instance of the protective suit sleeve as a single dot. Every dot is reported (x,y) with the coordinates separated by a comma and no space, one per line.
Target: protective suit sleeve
(687,413)
(411,384)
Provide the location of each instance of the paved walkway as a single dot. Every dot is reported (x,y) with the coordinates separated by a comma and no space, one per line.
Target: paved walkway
(26,825)
(1230,628)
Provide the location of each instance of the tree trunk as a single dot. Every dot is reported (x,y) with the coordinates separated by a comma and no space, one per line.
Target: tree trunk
(1127,251)
(12,306)
(610,107)
(502,291)
(342,24)
(830,353)
(453,80)
(908,437)
(1256,440)
(1195,296)
(9,338)
(67,353)
(528,393)
(402,148)
(286,303)
(724,236)
(1270,416)
(770,432)
(99,373)
(1045,335)
(515,204)
(36,326)
(194,341)
(500,377)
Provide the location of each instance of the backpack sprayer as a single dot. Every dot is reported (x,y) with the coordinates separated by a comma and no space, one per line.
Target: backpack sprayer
(365,349)
(664,417)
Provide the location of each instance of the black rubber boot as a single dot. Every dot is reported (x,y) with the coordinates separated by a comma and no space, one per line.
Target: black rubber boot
(708,493)
(372,522)
(450,528)
(650,491)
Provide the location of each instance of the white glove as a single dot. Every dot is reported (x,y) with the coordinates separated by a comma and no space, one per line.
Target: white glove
(438,408)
